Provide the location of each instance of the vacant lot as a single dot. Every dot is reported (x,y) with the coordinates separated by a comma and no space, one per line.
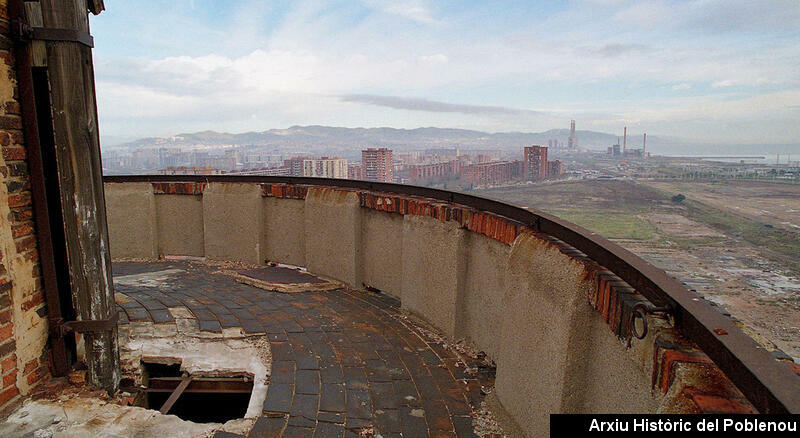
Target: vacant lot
(729,241)
(770,203)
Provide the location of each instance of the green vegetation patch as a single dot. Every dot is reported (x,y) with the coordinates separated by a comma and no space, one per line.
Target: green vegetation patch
(612,225)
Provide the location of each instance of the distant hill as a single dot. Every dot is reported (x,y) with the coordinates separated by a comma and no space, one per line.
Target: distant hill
(331,139)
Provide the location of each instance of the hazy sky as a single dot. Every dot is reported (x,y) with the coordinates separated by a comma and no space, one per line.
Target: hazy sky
(711,70)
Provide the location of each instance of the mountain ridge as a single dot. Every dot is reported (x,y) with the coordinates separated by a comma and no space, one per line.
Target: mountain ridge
(337,138)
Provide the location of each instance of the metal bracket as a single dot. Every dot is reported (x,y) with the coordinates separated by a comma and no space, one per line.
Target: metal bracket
(25,33)
(642,310)
(61,328)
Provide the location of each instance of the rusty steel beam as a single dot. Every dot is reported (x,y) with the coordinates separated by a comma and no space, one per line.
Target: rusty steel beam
(201,385)
(769,385)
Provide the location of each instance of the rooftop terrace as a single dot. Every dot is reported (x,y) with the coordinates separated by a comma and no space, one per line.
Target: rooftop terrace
(513,284)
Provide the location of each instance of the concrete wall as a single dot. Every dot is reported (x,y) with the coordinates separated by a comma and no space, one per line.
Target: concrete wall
(131,216)
(333,234)
(233,220)
(480,313)
(382,242)
(284,231)
(179,223)
(529,305)
(433,270)
(548,326)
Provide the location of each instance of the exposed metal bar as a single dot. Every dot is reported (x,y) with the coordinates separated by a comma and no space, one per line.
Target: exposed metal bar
(175,394)
(201,385)
(25,81)
(769,385)
(23,32)
(86,326)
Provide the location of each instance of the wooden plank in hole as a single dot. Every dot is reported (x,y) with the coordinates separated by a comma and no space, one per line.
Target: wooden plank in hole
(175,394)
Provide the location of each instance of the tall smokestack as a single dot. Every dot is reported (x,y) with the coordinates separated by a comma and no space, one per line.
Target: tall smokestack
(624,138)
(644,141)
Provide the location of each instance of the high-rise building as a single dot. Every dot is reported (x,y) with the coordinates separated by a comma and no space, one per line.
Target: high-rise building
(295,165)
(424,173)
(492,173)
(377,164)
(554,168)
(535,159)
(325,167)
(355,171)
(572,142)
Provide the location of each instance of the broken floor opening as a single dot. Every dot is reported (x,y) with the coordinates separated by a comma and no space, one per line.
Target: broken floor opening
(196,398)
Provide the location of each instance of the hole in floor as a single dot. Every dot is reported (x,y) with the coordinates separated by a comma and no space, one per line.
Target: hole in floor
(196,398)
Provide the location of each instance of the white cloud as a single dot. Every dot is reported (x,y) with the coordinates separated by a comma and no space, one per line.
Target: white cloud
(416,10)
(723,83)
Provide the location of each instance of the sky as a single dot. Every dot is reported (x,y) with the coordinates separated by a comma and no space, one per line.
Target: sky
(705,70)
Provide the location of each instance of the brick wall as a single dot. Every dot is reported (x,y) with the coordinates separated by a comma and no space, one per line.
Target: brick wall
(23,324)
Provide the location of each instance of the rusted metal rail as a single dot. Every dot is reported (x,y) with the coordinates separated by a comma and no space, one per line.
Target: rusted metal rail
(768,384)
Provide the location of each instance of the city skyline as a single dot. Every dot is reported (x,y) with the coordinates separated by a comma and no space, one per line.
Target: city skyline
(705,70)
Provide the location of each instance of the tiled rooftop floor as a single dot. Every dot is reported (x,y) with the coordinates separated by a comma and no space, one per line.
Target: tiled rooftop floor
(342,360)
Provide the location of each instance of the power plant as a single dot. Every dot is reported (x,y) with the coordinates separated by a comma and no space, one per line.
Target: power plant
(623,151)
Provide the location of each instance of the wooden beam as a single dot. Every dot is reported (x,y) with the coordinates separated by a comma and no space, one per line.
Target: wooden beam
(77,150)
(175,394)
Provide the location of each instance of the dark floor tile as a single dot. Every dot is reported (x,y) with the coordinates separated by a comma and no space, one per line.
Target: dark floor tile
(279,398)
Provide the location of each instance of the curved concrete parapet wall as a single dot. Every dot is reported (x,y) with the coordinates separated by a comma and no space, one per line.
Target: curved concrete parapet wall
(555,322)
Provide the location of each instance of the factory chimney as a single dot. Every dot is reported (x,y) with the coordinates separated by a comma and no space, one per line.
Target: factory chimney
(644,140)
(624,139)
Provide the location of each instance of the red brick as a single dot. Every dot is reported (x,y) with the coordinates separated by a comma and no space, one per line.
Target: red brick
(6,332)
(17,137)
(9,379)
(8,394)
(26,243)
(711,404)
(33,256)
(19,200)
(12,107)
(35,377)
(12,153)
(673,357)
(5,316)
(10,122)
(33,302)
(21,230)
(20,214)
(8,363)
(30,366)
(5,139)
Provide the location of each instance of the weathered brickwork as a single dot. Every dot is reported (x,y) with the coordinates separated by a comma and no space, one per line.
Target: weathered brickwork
(686,376)
(23,325)
(178,188)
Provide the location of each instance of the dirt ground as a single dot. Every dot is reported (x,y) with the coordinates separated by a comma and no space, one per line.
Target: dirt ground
(733,242)
(777,204)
